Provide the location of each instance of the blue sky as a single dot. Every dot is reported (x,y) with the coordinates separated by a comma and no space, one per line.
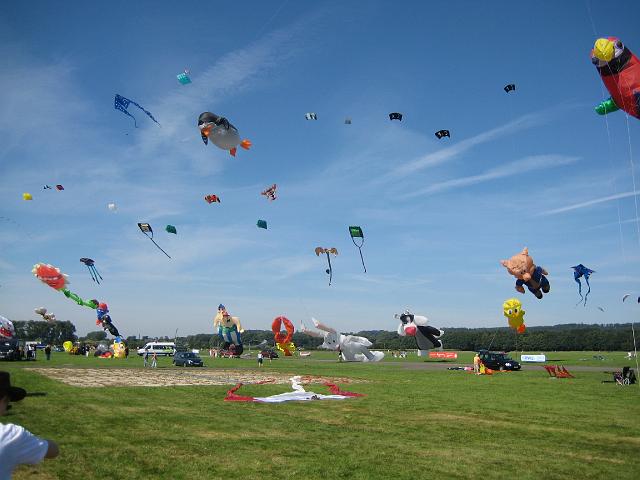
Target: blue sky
(535,168)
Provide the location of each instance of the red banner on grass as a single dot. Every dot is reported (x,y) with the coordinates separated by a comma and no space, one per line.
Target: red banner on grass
(447,355)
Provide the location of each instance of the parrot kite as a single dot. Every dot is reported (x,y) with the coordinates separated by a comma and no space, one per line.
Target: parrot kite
(620,72)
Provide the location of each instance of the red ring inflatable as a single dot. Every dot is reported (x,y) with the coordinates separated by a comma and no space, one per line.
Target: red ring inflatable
(281,337)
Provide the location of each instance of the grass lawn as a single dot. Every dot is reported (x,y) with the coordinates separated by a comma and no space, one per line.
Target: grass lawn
(413,423)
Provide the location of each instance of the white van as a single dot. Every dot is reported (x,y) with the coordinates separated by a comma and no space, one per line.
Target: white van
(159,348)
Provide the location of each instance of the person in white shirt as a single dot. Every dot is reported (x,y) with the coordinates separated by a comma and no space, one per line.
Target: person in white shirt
(17,445)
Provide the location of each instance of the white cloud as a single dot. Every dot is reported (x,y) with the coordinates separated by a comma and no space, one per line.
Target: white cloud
(450,153)
(527,164)
(589,203)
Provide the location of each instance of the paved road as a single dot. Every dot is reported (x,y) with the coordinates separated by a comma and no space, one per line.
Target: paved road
(444,366)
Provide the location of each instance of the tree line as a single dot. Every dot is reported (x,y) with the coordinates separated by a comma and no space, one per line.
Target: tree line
(609,337)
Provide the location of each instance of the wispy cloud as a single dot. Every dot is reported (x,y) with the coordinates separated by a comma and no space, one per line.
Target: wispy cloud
(450,153)
(589,203)
(527,164)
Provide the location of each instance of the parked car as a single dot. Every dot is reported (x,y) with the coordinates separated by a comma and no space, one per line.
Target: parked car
(498,360)
(9,349)
(187,359)
(269,354)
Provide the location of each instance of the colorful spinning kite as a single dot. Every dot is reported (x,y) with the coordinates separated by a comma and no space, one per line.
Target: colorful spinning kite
(582,271)
(212,198)
(121,103)
(356,232)
(146,229)
(283,340)
(27,196)
(270,192)
(327,251)
(92,269)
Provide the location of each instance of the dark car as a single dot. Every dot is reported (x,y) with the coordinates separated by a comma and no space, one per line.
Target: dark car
(9,349)
(269,354)
(498,360)
(187,359)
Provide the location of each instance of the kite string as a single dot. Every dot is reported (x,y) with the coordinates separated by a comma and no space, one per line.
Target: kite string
(360,249)
(610,158)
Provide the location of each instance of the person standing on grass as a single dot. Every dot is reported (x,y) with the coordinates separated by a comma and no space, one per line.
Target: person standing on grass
(476,364)
(154,360)
(145,356)
(47,352)
(260,357)
(17,445)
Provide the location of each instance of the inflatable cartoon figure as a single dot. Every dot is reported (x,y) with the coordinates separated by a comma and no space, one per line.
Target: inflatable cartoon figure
(229,329)
(527,273)
(512,309)
(352,348)
(427,337)
(119,348)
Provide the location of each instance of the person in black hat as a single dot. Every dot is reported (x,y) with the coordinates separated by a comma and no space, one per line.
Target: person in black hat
(17,445)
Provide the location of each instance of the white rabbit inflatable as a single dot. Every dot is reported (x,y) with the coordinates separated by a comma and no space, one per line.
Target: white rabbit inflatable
(352,348)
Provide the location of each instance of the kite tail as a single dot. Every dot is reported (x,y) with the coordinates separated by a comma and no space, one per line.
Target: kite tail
(159,248)
(586,279)
(145,111)
(95,270)
(330,269)
(579,291)
(360,248)
(362,259)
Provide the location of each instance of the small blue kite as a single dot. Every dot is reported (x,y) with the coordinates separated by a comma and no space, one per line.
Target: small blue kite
(582,271)
(121,103)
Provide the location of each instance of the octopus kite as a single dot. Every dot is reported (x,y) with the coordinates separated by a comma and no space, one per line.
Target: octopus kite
(620,73)
(92,269)
(582,271)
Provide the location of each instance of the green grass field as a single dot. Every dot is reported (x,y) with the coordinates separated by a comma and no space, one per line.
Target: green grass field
(414,423)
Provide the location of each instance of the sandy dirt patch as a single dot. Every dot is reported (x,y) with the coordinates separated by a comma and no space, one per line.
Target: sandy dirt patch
(129,377)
